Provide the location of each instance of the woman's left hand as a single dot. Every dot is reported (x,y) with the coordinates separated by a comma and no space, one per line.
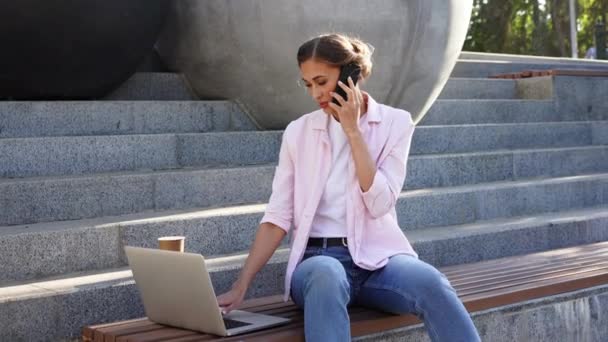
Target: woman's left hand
(349,111)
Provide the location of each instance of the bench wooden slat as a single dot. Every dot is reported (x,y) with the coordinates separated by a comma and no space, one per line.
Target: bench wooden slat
(131,331)
(279,311)
(110,334)
(113,336)
(486,300)
(569,252)
(554,278)
(524,263)
(157,335)
(157,332)
(291,332)
(388,322)
(480,286)
(88,333)
(194,338)
(457,278)
(362,322)
(263,302)
(526,273)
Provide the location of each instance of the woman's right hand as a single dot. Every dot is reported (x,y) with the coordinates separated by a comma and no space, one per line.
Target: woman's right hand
(232,299)
(266,242)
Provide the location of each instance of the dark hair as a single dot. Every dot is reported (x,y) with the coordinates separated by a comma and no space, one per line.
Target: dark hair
(338,50)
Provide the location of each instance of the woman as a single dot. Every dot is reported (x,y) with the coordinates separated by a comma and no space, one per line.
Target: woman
(341,169)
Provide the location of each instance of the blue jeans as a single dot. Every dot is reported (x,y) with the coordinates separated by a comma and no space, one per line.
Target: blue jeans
(327,281)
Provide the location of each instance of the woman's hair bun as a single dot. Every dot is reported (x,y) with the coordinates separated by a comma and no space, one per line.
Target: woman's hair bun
(338,49)
(362,56)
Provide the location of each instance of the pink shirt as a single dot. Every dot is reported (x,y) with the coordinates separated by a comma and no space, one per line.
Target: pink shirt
(305,160)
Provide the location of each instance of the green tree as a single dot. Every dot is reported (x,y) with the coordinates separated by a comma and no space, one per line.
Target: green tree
(593,10)
(534,27)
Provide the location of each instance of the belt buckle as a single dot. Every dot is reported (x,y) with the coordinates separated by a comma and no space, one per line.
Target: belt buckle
(344,242)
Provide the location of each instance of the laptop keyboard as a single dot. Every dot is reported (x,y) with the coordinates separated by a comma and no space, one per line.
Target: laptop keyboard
(230,323)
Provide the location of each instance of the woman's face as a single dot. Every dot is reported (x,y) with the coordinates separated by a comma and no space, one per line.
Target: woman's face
(320,80)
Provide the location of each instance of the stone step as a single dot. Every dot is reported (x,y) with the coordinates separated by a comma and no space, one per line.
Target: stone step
(59,307)
(496,238)
(61,118)
(153,86)
(424,208)
(261,147)
(43,199)
(71,246)
(69,118)
(46,199)
(48,249)
(480,68)
(478,88)
(53,156)
(446,170)
(490,137)
(460,112)
(58,198)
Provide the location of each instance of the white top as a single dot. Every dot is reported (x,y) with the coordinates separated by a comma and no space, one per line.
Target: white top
(330,217)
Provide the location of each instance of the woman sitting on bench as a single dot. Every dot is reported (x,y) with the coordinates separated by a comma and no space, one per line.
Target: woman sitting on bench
(340,172)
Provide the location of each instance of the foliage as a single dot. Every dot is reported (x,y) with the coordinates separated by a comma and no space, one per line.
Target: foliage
(532,27)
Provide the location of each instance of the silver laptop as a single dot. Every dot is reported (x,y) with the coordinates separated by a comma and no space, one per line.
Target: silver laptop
(176,290)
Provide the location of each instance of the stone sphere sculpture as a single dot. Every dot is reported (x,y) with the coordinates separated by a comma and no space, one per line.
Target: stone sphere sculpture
(246,50)
(62,49)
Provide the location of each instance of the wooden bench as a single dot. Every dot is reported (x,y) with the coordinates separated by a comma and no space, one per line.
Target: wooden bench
(480,286)
(554,72)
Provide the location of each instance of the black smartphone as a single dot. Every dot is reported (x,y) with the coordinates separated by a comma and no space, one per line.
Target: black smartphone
(351,70)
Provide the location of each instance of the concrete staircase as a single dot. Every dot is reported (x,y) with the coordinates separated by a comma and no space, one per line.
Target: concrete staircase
(494,171)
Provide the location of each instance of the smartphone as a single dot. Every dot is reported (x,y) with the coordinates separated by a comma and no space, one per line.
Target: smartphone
(351,70)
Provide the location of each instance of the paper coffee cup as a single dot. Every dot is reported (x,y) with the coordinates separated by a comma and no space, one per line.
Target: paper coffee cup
(172,243)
